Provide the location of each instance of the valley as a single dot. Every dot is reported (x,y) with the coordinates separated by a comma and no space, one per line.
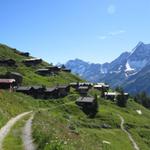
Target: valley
(59,123)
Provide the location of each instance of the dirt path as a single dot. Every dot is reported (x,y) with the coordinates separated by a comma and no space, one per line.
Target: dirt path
(129,135)
(5,129)
(27,135)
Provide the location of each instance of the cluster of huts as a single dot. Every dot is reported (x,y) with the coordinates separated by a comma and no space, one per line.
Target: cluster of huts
(51,70)
(89,102)
(45,93)
(13,80)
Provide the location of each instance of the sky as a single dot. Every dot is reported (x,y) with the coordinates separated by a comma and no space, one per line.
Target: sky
(59,30)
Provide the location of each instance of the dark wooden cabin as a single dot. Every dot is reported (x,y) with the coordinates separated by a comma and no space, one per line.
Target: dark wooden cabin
(101,86)
(63,90)
(54,69)
(85,101)
(24,89)
(7,62)
(66,70)
(83,90)
(15,75)
(44,72)
(113,95)
(32,62)
(7,84)
(88,84)
(45,93)
(34,91)
(26,54)
(74,85)
(88,105)
(51,93)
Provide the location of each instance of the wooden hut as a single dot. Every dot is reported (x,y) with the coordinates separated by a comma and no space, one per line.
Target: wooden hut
(88,104)
(7,62)
(7,84)
(15,75)
(85,101)
(44,72)
(113,95)
(54,69)
(32,62)
(34,91)
(66,70)
(63,90)
(83,90)
(51,93)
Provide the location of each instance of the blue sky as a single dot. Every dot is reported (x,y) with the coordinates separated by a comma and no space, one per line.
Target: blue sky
(59,30)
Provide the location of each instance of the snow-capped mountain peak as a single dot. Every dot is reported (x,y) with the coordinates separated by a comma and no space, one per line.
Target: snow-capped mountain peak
(118,72)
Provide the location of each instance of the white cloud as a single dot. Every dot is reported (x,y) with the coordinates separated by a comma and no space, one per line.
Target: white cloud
(102,37)
(118,32)
(111,9)
(111,34)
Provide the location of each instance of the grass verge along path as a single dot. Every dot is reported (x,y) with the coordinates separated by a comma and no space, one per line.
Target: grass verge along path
(129,135)
(5,129)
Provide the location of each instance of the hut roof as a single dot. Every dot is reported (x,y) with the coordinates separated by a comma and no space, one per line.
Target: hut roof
(83,87)
(85,99)
(85,83)
(15,73)
(103,84)
(98,86)
(63,86)
(50,89)
(114,93)
(73,83)
(24,88)
(43,69)
(33,59)
(7,80)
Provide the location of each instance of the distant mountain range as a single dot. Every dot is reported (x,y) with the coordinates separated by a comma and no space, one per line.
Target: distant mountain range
(131,70)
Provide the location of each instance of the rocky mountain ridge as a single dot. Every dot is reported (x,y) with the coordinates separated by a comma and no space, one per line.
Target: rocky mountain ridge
(126,70)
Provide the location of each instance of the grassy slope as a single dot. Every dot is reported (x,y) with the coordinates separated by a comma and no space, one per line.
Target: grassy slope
(12,104)
(31,78)
(68,128)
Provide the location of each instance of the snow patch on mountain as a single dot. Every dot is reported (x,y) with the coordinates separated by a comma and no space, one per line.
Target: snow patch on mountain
(128,67)
(137,64)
